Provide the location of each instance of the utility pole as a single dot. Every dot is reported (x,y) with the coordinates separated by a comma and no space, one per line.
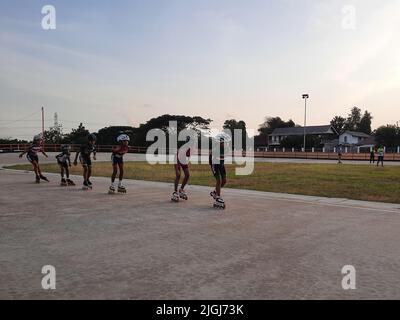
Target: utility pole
(305,97)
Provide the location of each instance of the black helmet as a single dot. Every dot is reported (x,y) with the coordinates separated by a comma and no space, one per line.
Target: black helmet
(92,137)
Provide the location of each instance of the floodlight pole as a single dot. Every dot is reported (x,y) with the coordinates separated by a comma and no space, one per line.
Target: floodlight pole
(305,97)
(43,128)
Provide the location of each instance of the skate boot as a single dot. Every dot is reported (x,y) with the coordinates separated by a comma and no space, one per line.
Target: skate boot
(90,184)
(70,182)
(213,194)
(85,186)
(175,197)
(183,194)
(42,177)
(121,189)
(63,182)
(111,190)
(37,179)
(219,203)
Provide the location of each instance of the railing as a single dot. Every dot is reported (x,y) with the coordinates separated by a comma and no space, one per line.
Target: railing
(289,154)
(57,148)
(323,155)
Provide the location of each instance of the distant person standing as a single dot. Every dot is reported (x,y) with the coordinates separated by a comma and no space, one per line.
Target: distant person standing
(339,150)
(381,153)
(372,155)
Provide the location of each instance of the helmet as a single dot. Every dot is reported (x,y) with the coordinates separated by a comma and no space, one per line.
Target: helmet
(123,137)
(92,137)
(223,137)
(65,147)
(37,137)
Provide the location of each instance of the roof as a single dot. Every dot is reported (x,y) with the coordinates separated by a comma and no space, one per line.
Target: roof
(357,134)
(370,141)
(297,131)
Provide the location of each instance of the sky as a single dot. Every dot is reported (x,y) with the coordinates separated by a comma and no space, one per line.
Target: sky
(124,62)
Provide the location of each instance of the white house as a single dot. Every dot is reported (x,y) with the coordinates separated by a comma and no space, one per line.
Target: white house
(352,138)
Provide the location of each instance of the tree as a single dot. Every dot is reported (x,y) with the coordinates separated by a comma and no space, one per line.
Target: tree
(338,123)
(196,123)
(231,125)
(271,123)
(9,140)
(77,136)
(53,136)
(108,135)
(365,123)
(388,136)
(353,119)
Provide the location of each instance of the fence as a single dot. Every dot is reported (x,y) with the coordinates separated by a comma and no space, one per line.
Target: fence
(390,155)
(56,148)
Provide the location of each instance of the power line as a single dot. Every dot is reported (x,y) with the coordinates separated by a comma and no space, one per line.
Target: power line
(23,118)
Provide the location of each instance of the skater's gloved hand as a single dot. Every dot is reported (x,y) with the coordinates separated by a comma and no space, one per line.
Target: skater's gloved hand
(94,158)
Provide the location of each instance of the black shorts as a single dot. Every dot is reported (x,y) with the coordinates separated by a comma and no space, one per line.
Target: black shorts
(31,158)
(85,161)
(116,160)
(218,171)
(62,164)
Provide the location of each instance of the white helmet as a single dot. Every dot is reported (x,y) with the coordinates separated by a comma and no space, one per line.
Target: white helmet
(37,137)
(223,137)
(123,137)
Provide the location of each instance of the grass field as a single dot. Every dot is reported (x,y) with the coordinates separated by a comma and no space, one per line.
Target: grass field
(359,182)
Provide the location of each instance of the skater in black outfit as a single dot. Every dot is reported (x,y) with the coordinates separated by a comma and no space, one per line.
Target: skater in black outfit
(64,162)
(84,154)
(32,155)
(217,163)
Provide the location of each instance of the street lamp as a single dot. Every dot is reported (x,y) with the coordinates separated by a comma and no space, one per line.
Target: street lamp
(305,97)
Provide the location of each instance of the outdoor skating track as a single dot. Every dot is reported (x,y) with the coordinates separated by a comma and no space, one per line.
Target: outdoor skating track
(142,246)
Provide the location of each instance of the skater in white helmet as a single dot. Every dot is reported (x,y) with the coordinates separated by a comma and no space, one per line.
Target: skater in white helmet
(117,158)
(217,163)
(32,155)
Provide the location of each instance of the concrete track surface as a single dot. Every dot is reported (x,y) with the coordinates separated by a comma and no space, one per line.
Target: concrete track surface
(142,246)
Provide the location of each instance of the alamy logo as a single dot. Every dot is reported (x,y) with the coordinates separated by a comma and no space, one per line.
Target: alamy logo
(349,20)
(349,279)
(232,147)
(49,20)
(49,280)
